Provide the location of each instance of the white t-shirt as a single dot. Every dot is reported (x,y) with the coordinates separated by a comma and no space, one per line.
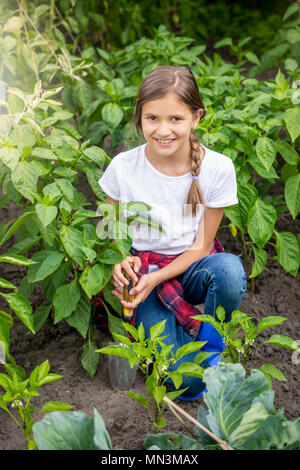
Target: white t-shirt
(131,177)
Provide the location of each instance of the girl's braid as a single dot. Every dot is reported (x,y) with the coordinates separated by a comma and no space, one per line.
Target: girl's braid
(197,154)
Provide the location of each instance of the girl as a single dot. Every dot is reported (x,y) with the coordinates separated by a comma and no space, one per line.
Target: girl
(187,186)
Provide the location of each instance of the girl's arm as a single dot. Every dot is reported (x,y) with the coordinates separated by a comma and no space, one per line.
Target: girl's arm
(200,248)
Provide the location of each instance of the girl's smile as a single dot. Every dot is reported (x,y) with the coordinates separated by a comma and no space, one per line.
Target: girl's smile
(165,142)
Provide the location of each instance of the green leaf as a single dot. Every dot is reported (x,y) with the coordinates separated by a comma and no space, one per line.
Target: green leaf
(22,308)
(51,406)
(292,120)
(111,299)
(287,171)
(221,313)
(24,178)
(202,356)
(275,433)
(91,280)
(189,348)
(139,398)
(261,220)
(176,377)
(48,266)
(283,342)
(52,191)
(288,152)
(66,188)
(169,441)
(39,257)
(80,318)
(14,227)
(6,323)
(141,332)
(158,393)
(156,330)
(292,194)
(269,322)
(102,439)
(40,375)
(46,214)
(250,422)
(44,153)
(96,154)
(252,58)
(112,115)
(64,430)
(291,10)
(132,330)
(266,151)
(40,316)
(84,92)
(65,300)
(261,168)
(10,157)
(16,259)
(273,371)
(110,256)
(238,214)
(72,240)
(230,397)
(287,251)
(90,358)
(124,246)
(115,350)
(223,42)
(260,261)
(115,324)
(189,369)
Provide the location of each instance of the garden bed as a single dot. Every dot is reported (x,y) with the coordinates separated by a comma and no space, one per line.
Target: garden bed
(277,293)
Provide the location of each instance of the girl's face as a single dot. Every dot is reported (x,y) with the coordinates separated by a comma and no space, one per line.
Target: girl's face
(166,124)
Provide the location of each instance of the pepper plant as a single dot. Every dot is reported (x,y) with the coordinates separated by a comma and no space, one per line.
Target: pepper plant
(241,340)
(155,359)
(21,390)
(72,257)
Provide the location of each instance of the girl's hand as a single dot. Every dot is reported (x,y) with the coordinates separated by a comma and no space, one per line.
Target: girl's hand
(118,278)
(141,291)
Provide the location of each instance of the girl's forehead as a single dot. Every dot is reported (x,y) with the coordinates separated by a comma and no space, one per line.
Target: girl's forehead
(168,104)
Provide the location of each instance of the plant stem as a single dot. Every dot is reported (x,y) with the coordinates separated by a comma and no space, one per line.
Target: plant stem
(223,444)
(185,425)
(12,416)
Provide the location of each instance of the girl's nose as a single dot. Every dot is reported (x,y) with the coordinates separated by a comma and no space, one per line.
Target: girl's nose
(163,130)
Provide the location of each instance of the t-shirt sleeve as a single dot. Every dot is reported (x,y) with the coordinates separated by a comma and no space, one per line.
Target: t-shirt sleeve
(109,181)
(224,190)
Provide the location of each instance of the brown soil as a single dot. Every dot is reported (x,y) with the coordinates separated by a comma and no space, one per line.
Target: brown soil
(277,293)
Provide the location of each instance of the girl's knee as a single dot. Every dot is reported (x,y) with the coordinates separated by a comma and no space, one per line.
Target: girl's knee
(230,275)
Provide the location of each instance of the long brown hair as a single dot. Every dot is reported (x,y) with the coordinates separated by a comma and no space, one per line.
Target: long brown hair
(181,81)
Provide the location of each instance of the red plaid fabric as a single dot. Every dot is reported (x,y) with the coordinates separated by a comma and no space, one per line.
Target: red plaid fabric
(171,291)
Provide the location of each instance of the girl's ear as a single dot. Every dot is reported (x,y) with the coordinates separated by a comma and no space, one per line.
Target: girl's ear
(197,116)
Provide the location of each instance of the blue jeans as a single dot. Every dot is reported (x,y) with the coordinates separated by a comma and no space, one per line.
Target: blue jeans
(214,280)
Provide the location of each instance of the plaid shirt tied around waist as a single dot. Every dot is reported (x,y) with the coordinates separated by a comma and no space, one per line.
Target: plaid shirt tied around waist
(171,292)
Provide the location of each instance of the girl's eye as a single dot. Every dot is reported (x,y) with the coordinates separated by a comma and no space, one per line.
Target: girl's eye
(151,118)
